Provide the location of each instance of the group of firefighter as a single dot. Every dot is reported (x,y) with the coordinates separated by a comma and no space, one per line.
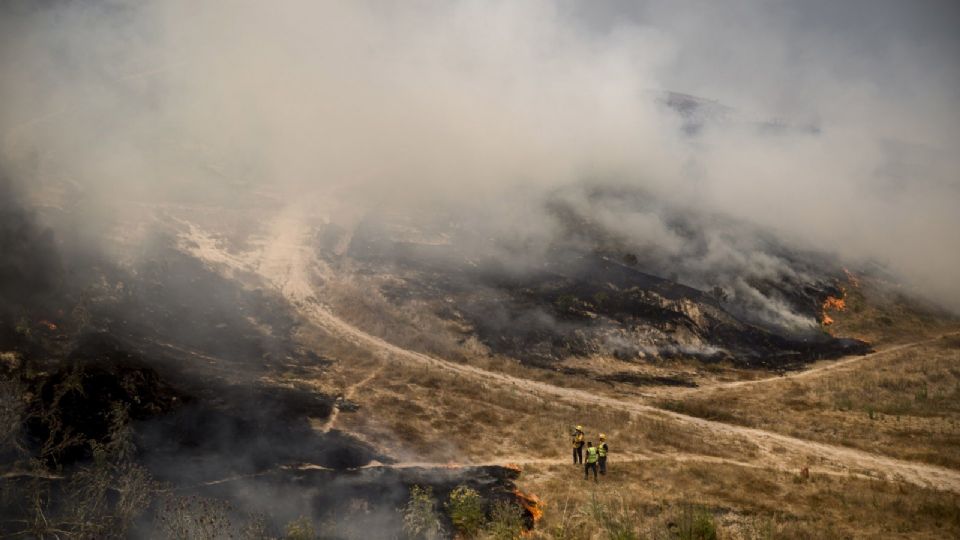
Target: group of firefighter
(596,459)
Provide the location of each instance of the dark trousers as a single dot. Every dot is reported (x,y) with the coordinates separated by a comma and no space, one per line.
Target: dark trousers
(586,471)
(603,464)
(577,454)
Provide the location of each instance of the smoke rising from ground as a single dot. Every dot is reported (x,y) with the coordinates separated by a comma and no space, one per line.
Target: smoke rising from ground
(837,130)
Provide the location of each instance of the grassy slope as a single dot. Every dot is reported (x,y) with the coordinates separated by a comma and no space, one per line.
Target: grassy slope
(418,414)
(905,404)
(655,498)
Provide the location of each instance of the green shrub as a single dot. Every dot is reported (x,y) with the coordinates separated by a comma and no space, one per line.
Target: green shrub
(465,508)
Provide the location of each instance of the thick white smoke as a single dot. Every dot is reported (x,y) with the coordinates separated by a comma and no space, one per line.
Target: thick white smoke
(495,104)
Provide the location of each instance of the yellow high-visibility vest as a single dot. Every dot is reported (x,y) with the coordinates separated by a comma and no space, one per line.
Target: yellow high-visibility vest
(592,454)
(578,440)
(602,449)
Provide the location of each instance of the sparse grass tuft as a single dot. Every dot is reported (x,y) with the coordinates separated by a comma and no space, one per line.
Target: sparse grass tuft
(700,409)
(506,521)
(694,523)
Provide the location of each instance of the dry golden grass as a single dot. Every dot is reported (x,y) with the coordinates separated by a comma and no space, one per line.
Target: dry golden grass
(412,325)
(645,497)
(425,415)
(904,404)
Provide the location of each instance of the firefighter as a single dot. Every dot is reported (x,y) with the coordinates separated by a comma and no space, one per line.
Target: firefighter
(602,454)
(578,445)
(591,463)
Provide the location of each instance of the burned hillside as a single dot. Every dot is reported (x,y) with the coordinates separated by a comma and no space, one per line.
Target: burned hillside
(587,290)
(154,379)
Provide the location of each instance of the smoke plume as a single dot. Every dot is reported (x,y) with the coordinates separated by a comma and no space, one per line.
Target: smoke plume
(828,127)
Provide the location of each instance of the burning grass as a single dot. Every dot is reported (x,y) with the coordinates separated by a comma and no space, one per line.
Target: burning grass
(883,313)
(832,304)
(532,504)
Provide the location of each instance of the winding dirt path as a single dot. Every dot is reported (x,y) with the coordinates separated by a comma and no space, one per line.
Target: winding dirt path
(286,263)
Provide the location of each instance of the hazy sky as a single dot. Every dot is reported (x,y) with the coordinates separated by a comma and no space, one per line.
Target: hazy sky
(498,103)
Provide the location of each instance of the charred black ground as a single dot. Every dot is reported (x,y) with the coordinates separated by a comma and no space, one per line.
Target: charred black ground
(372,494)
(588,293)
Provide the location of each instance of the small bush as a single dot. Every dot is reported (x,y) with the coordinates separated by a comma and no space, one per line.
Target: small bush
(300,529)
(842,401)
(420,517)
(194,517)
(696,523)
(566,302)
(465,508)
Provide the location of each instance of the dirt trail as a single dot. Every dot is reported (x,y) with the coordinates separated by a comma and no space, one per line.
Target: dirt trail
(347,395)
(286,265)
(775,447)
(519,462)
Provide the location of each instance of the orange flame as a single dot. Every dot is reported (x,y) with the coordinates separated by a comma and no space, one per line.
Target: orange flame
(531,503)
(835,304)
(513,467)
